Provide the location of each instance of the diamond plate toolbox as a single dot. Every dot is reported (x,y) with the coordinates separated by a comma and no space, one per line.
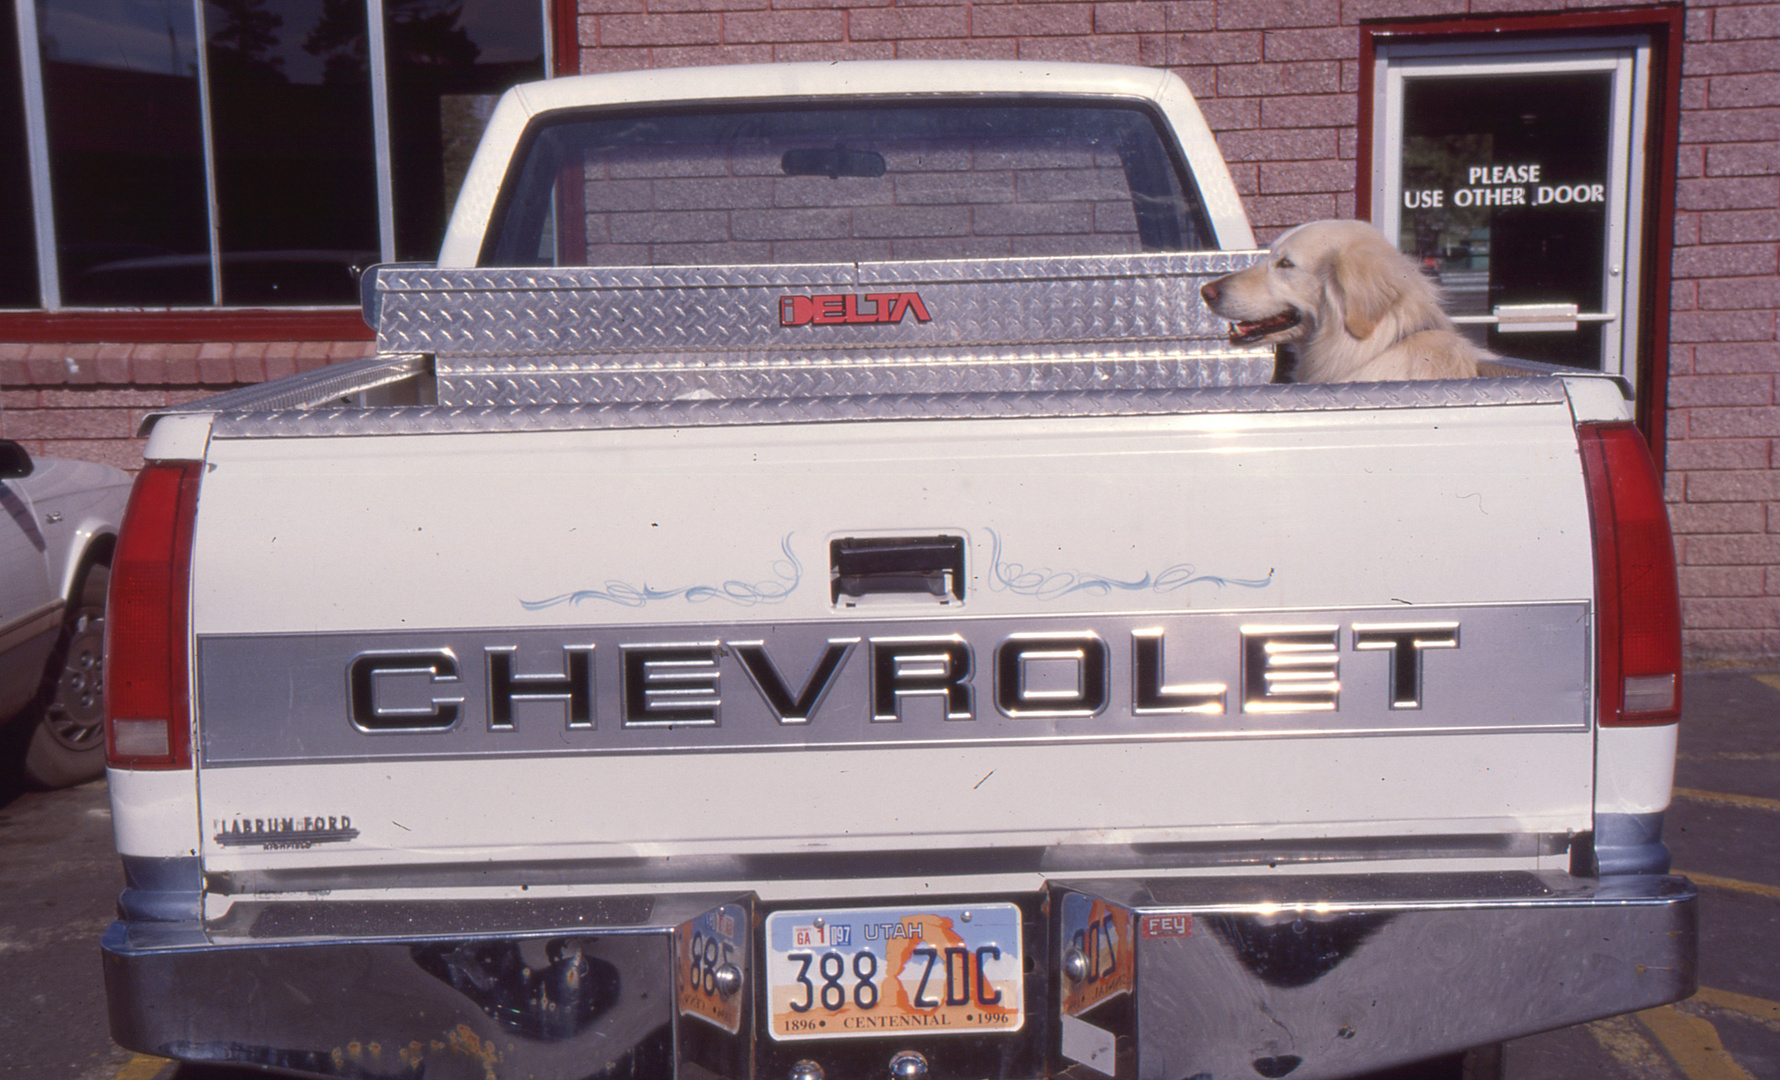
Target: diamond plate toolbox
(504,337)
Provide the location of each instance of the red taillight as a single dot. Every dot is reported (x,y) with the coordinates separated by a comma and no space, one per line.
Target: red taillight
(148,717)
(1637,601)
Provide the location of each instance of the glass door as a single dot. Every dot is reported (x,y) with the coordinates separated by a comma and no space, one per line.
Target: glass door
(1510,176)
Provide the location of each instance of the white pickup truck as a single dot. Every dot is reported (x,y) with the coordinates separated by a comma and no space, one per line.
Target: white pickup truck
(805,589)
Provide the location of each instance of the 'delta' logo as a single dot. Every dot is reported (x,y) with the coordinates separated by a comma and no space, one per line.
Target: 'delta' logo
(851,308)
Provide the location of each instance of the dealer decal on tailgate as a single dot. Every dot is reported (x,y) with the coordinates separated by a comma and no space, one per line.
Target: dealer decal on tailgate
(284,833)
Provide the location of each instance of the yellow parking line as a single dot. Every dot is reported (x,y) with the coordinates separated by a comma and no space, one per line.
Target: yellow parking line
(1771,680)
(1725,798)
(1713,881)
(142,1067)
(1693,1043)
(1761,1010)
(1622,1040)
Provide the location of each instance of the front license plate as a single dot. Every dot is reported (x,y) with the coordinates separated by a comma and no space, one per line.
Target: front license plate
(935,970)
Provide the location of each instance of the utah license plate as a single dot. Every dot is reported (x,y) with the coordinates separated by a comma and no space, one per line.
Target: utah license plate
(933,970)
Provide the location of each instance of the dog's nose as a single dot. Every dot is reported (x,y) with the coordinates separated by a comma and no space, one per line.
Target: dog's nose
(1209,290)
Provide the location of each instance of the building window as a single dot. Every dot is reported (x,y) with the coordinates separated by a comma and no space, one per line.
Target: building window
(246,153)
(294,148)
(126,152)
(1511,175)
(18,245)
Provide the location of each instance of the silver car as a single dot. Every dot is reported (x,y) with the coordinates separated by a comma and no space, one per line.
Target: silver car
(58,525)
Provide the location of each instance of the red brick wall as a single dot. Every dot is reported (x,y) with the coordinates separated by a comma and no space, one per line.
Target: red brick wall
(1724,416)
(1278,81)
(87,400)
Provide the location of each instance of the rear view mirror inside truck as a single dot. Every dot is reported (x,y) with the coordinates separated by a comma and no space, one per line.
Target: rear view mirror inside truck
(832,162)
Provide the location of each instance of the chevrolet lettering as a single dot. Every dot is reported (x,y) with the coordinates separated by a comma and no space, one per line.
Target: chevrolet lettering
(900,669)
(983,668)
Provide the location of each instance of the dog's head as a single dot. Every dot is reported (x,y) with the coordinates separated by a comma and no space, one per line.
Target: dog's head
(1321,275)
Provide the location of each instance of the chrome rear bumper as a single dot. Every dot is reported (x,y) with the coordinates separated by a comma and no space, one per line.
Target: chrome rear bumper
(1304,976)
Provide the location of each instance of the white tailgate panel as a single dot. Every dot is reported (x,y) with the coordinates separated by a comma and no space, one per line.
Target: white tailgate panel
(1296,519)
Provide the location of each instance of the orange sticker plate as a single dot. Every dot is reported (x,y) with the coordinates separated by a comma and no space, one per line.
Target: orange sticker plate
(1101,933)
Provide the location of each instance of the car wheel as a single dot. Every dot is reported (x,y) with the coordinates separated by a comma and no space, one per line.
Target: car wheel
(68,745)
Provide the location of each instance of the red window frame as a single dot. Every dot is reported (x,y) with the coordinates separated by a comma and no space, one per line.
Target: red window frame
(192,325)
(1665,23)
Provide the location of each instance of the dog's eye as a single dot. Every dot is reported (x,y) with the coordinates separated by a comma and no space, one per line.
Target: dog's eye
(1285,264)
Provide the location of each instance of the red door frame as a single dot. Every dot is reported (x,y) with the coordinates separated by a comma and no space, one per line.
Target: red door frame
(1666,27)
(565,38)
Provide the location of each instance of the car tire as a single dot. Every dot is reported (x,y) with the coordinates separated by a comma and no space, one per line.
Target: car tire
(68,741)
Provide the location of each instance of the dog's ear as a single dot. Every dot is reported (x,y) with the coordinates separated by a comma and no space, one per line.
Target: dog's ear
(1367,284)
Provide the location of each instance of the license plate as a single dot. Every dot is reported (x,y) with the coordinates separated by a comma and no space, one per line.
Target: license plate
(1098,935)
(709,952)
(933,970)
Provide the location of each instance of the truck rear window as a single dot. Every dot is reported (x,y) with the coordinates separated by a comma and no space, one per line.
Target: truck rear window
(846,184)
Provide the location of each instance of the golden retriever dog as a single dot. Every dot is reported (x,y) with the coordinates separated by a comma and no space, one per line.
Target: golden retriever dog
(1355,308)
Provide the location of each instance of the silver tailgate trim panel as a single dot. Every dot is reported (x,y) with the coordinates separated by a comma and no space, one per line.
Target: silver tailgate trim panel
(431,694)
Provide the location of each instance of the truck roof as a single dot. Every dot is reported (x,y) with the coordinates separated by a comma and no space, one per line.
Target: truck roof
(1159,89)
(844,78)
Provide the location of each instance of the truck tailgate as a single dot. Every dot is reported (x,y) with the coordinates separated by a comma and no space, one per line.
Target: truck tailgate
(1354,626)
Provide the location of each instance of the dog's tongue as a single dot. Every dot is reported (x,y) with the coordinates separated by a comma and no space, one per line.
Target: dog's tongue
(1249,331)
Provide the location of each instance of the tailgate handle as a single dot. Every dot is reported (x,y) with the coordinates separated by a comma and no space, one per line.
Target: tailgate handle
(878,565)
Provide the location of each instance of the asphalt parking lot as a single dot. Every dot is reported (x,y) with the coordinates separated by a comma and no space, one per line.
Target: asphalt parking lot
(58,878)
